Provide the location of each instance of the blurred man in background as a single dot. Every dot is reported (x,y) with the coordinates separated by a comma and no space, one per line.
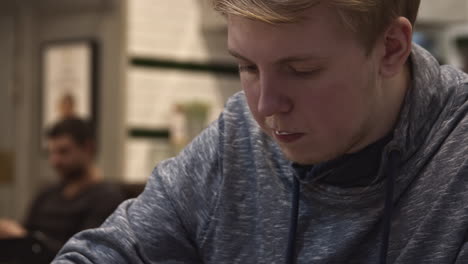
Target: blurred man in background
(80,200)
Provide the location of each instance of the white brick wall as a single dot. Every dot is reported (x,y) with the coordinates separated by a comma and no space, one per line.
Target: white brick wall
(169,29)
(152,94)
(443,11)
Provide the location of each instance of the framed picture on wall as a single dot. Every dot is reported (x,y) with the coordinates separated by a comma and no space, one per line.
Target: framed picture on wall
(69,81)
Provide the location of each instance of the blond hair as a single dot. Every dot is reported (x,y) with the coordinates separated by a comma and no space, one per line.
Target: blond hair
(367,18)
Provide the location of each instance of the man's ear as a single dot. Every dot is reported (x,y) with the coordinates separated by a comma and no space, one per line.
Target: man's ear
(397,41)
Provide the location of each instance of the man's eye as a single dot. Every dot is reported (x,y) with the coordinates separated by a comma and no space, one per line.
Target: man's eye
(305,72)
(248,68)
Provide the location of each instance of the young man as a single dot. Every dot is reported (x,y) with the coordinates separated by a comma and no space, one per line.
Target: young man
(347,145)
(81,200)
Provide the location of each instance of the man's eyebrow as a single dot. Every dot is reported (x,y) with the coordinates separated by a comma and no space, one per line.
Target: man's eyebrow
(237,55)
(301,58)
(295,58)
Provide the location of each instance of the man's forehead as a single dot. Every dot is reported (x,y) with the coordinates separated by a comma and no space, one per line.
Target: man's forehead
(62,140)
(281,43)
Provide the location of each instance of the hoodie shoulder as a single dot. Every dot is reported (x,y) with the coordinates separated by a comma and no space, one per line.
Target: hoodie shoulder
(455,82)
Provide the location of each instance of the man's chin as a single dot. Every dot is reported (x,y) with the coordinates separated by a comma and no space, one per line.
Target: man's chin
(70,176)
(307,158)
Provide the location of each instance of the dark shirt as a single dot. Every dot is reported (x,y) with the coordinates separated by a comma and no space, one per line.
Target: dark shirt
(60,218)
(53,218)
(358,169)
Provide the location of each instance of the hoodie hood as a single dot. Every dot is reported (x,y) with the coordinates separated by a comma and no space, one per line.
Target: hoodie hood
(425,106)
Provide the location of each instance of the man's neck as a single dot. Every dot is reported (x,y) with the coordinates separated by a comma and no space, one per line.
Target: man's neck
(396,93)
(74,188)
(387,108)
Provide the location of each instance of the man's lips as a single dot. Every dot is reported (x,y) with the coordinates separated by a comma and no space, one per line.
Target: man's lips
(287,137)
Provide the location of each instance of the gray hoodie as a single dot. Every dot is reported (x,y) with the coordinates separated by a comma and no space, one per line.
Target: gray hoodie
(227,197)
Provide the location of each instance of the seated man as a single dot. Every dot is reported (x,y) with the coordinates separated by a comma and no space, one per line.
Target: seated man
(348,145)
(81,199)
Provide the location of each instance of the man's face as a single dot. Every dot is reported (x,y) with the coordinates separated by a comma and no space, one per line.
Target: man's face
(67,157)
(309,85)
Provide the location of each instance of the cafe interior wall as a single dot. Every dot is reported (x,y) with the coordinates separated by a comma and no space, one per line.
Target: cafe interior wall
(440,26)
(178,60)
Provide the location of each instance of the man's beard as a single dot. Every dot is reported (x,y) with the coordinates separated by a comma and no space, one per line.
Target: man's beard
(72,174)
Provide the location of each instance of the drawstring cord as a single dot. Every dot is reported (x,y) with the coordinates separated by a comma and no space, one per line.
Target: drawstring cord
(290,253)
(393,164)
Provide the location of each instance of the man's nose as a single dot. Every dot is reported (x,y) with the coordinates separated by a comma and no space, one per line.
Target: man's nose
(273,98)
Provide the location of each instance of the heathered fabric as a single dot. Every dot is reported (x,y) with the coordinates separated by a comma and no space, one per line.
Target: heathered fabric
(227,197)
